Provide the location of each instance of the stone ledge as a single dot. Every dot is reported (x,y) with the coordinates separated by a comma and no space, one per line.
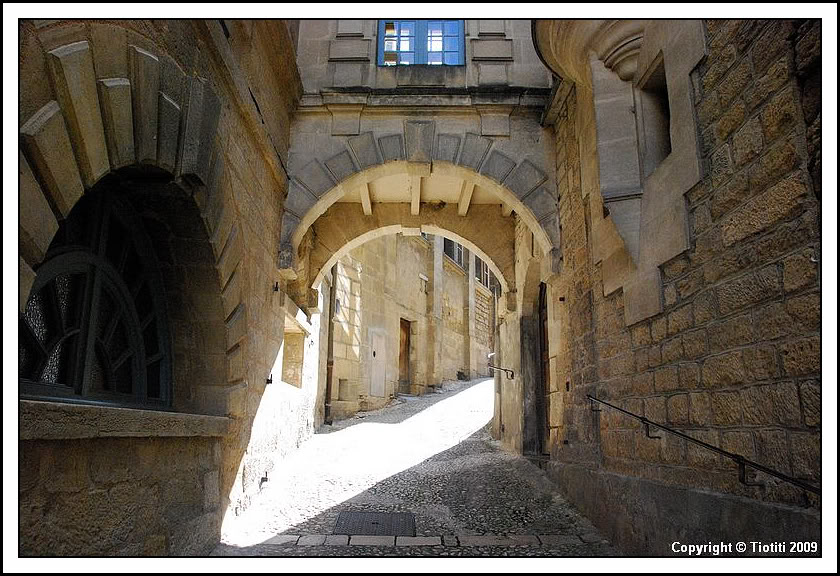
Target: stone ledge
(454,265)
(43,420)
(405,98)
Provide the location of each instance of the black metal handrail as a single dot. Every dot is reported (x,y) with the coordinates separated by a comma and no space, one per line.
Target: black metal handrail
(742,462)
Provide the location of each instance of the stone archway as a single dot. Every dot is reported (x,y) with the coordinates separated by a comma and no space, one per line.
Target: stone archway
(152,121)
(416,167)
(476,209)
(154,118)
(341,229)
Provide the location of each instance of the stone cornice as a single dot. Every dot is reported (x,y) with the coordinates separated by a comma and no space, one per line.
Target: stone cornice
(423,99)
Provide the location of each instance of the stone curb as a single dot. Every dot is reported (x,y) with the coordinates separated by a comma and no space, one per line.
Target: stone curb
(463,541)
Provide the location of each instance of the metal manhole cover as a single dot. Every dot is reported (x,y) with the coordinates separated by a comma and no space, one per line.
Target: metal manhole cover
(375,524)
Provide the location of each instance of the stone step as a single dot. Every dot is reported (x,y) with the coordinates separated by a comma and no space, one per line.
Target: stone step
(462,540)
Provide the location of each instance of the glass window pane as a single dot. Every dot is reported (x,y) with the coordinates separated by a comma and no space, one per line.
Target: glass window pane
(435,29)
(450,44)
(435,58)
(390,58)
(451,59)
(451,28)
(390,29)
(406,28)
(406,57)
(435,45)
(390,45)
(406,44)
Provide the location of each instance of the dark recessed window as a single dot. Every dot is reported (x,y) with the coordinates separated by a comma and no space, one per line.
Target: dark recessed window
(454,251)
(482,272)
(95,325)
(410,42)
(656,117)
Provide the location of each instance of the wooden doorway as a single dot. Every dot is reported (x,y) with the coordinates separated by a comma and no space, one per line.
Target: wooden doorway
(543,387)
(405,347)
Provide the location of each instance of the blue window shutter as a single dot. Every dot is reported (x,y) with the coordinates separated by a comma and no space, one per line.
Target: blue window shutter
(422,28)
(461,43)
(380,44)
(421,39)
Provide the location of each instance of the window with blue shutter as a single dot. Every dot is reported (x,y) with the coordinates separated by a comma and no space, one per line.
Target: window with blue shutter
(407,42)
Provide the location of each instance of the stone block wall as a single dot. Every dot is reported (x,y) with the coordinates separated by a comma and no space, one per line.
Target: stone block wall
(454,319)
(483,329)
(102,480)
(174,96)
(734,359)
(293,349)
(120,496)
(347,336)
(483,318)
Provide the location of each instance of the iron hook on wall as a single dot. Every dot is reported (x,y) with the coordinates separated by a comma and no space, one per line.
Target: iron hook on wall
(508,372)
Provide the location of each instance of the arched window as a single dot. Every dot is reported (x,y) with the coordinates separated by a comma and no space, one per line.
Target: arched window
(407,42)
(95,325)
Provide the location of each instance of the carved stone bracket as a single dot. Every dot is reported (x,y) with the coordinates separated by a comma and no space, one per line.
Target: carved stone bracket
(565,45)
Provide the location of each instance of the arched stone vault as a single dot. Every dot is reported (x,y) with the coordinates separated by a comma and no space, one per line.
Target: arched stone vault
(464,170)
(485,232)
(156,116)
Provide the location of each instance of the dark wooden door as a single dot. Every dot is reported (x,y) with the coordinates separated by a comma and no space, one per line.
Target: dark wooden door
(405,343)
(545,373)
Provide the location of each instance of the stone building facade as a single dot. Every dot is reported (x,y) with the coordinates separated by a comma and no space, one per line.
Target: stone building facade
(729,351)
(160,112)
(647,195)
(385,302)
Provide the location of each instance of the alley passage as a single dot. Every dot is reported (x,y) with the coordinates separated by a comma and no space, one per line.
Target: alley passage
(431,456)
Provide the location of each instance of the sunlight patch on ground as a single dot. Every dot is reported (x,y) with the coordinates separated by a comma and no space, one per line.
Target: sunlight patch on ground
(331,468)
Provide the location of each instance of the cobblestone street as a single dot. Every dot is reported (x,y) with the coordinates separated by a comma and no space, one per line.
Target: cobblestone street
(431,456)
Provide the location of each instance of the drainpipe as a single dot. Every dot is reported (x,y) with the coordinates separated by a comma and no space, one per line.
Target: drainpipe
(331,330)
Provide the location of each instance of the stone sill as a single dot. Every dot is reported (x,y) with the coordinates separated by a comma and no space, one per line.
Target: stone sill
(447,259)
(479,286)
(42,420)
(425,242)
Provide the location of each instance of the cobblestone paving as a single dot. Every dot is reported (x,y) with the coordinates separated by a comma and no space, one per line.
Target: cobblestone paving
(472,488)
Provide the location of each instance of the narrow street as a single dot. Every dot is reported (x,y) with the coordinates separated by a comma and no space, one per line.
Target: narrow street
(430,456)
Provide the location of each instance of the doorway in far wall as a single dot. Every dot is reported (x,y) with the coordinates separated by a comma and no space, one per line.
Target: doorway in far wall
(405,347)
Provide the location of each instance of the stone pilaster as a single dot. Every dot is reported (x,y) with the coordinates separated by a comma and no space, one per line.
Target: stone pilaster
(435,333)
(471,359)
